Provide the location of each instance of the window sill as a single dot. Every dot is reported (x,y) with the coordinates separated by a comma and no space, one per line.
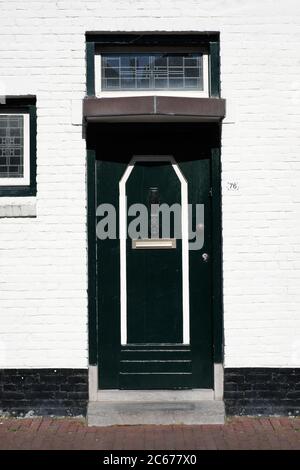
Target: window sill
(17,207)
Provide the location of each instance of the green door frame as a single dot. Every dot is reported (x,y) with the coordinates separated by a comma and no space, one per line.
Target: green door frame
(212,42)
(217,286)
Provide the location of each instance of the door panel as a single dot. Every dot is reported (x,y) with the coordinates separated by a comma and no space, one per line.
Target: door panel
(200,277)
(154,276)
(154,356)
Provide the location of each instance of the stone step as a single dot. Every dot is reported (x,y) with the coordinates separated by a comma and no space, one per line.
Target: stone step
(155,395)
(109,413)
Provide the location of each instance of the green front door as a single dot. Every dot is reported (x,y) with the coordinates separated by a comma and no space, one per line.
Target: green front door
(154,292)
(154,308)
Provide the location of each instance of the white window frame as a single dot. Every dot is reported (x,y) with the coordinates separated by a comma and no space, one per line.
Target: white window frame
(25,180)
(126,93)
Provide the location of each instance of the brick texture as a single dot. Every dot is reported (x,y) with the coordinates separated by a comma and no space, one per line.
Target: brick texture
(43,262)
(264,391)
(59,392)
(238,433)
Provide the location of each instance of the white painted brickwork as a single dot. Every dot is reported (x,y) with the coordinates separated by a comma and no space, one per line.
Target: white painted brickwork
(43,275)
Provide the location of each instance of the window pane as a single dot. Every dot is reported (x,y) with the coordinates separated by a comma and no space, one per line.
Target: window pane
(152,71)
(191,83)
(11,146)
(175,61)
(161,84)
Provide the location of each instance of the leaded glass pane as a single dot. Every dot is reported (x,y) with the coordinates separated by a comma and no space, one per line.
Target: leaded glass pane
(11,146)
(152,72)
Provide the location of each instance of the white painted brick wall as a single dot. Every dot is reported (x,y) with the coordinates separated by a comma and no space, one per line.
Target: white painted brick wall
(43,275)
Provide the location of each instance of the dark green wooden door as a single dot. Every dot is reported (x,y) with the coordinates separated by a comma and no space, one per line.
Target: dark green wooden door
(154,275)
(154,303)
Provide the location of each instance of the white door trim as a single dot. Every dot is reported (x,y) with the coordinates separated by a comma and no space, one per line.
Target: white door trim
(185,242)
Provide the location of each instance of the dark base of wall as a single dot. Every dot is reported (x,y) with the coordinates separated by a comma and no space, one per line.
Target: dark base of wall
(262,391)
(59,392)
(64,392)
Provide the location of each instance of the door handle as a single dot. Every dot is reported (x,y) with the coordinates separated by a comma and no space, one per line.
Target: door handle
(205,257)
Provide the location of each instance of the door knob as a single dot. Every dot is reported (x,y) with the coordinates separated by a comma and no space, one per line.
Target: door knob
(205,257)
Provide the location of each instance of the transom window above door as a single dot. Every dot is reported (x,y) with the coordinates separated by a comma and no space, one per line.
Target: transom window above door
(167,73)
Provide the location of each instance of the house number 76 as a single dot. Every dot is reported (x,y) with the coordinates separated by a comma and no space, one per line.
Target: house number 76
(232,186)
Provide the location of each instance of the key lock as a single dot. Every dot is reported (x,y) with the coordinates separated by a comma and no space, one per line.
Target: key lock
(205,256)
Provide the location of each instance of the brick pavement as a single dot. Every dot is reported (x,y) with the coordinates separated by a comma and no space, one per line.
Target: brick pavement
(73,433)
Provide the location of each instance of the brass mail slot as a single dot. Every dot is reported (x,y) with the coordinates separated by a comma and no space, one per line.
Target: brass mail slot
(151,243)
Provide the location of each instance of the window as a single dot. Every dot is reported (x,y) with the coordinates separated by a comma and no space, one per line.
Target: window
(152,72)
(161,72)
(124,64)
(17,147)
(14,149)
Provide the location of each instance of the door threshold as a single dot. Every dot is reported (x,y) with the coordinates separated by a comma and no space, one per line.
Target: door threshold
(155,407)
(157,412)
(141,396)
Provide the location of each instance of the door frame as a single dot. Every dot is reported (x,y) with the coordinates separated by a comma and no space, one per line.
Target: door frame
(217,285)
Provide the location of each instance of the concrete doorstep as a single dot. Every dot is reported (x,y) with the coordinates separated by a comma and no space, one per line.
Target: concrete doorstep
(109,413)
